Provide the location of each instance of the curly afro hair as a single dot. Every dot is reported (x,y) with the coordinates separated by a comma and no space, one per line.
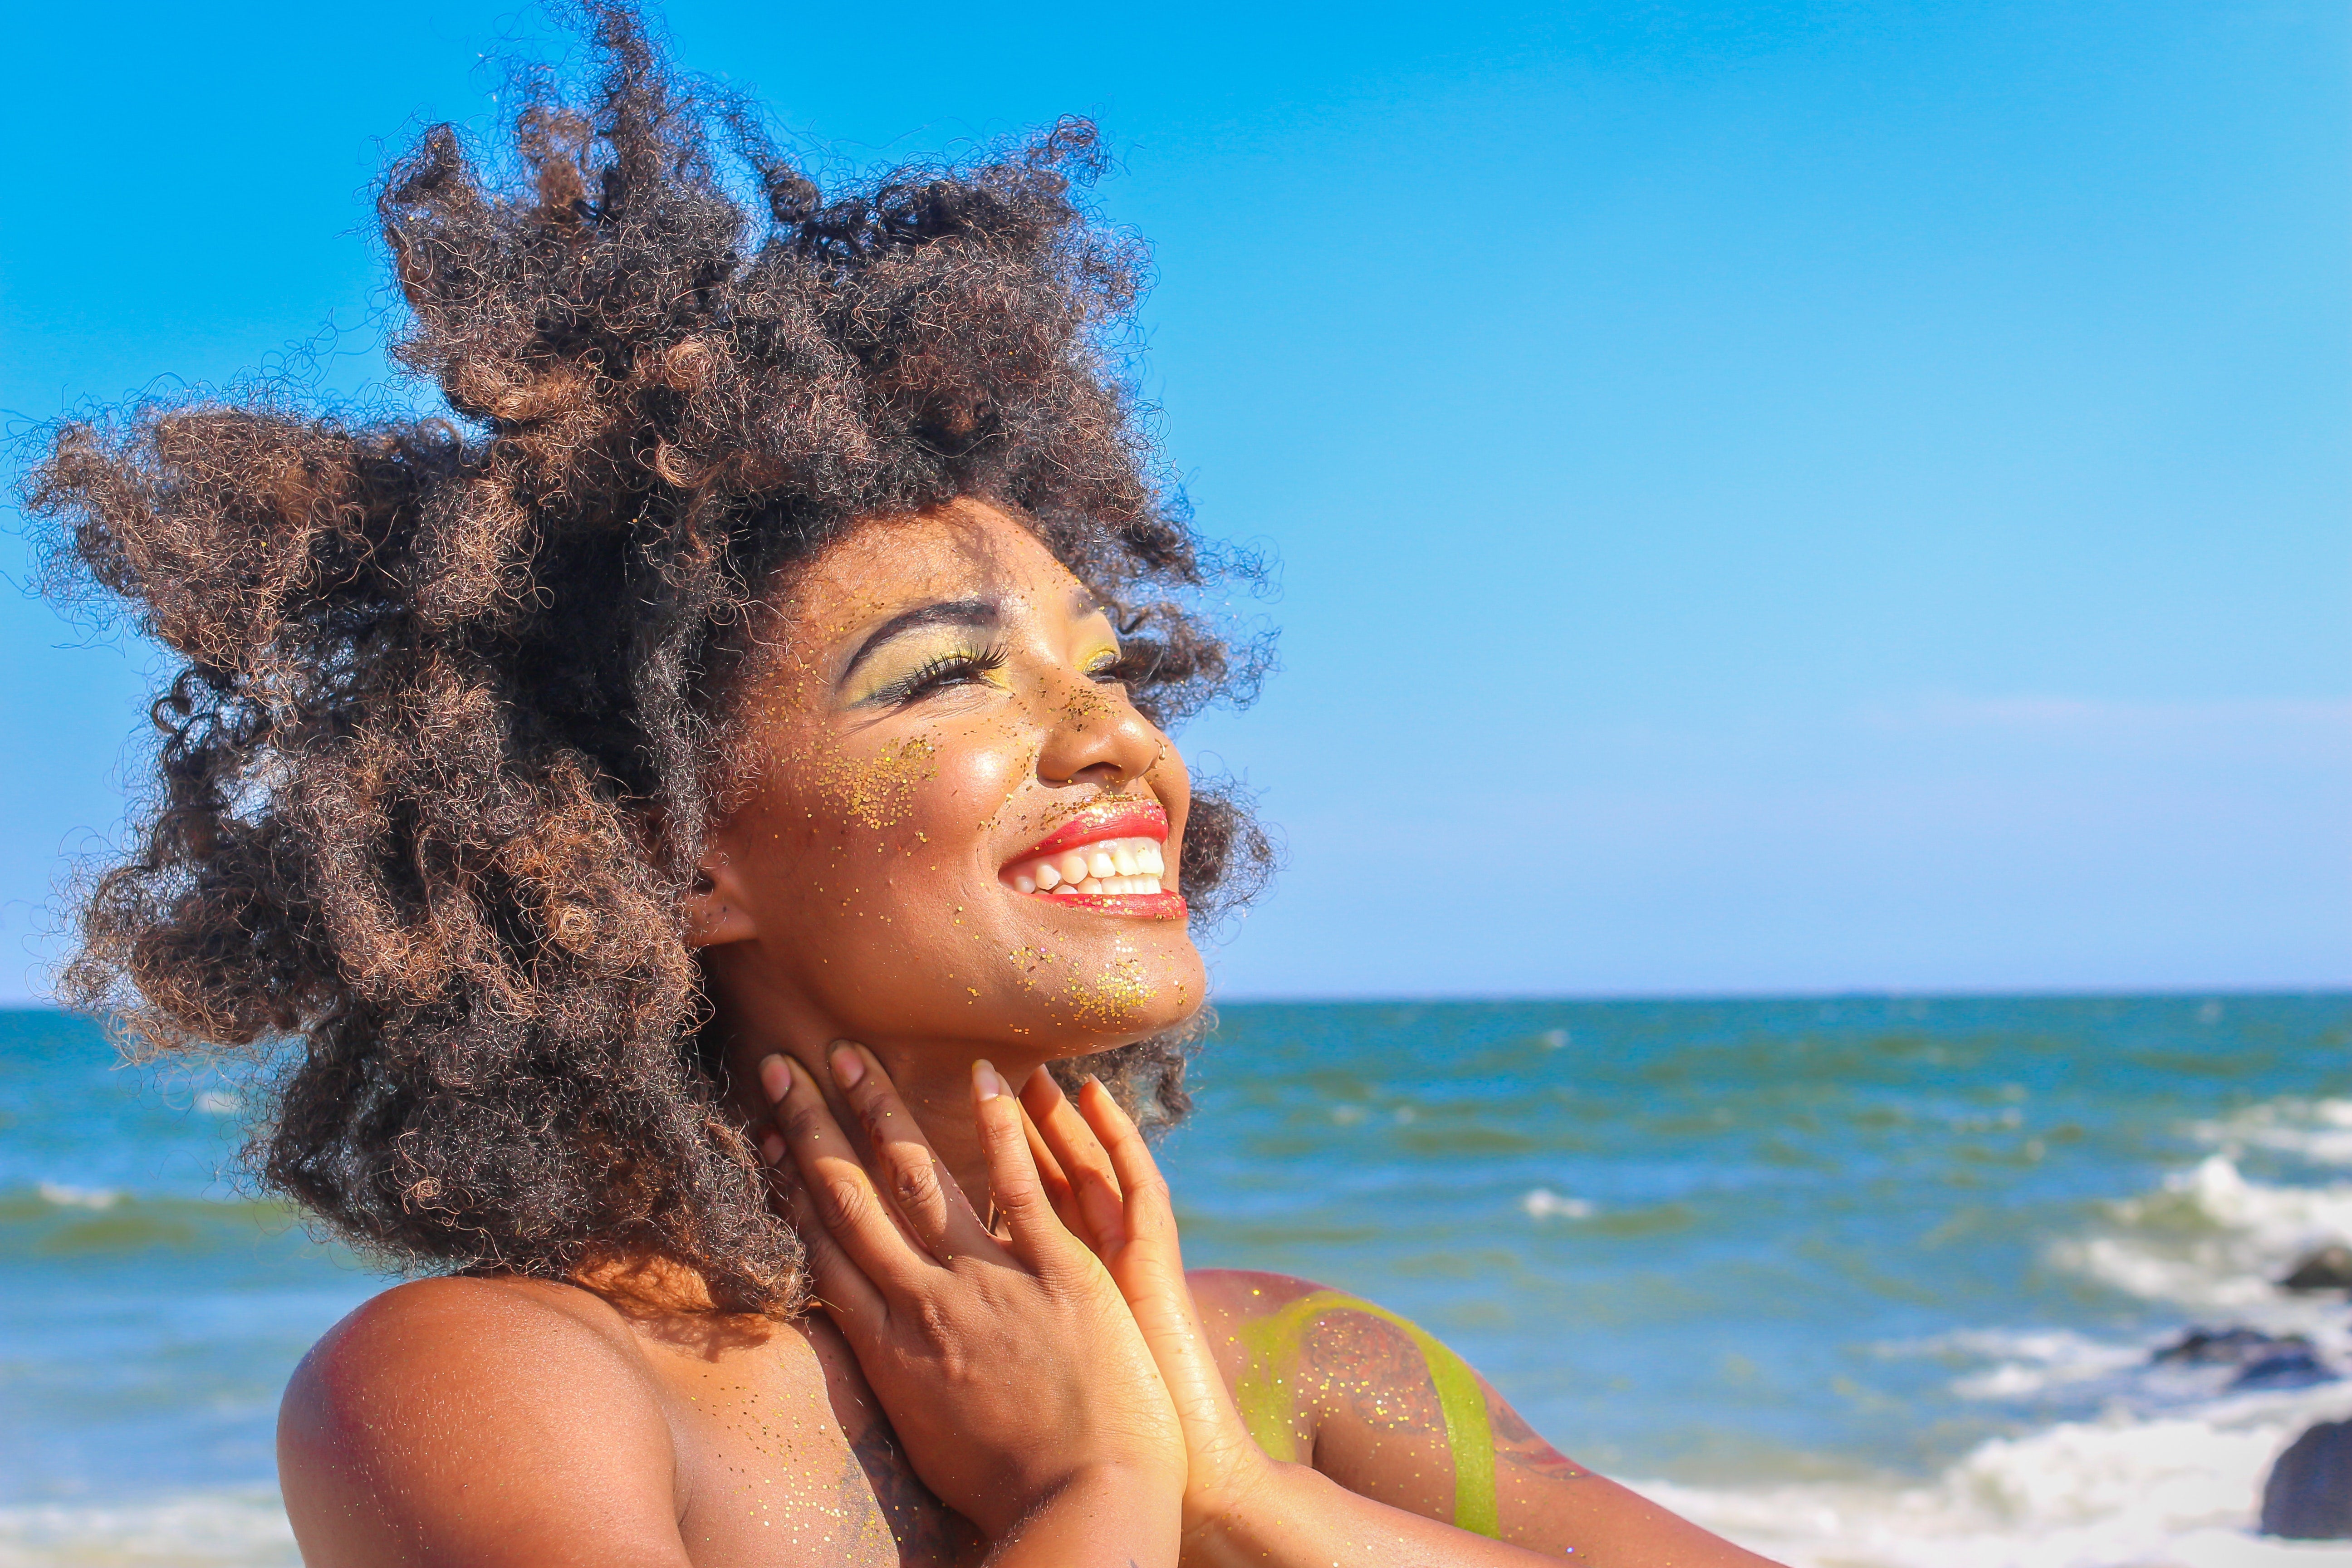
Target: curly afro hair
(452,699)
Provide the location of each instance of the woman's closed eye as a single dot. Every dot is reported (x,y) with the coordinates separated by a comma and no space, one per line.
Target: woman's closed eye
(1109,667)
(943,671)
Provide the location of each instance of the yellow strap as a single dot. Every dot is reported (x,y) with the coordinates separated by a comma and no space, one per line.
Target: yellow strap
(1265,1396)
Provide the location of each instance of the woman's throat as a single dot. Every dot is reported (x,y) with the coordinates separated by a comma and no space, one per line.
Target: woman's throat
(1106,866)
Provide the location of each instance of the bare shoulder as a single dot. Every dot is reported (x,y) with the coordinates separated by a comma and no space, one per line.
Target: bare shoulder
(468,1420)
(456,1346)
(1385,1410)
(1229,1298)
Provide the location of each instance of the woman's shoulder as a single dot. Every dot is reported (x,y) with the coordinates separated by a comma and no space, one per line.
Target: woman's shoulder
(1229,1298)
(444,1333)
(1234,1299)
(445,1410)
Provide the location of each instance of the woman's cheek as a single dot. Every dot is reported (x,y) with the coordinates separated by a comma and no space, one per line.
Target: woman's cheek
(875,789)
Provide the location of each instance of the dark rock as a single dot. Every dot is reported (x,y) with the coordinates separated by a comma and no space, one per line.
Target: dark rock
(2284,1369)
(2328,1268)
(2228,1347)
(2309,1494)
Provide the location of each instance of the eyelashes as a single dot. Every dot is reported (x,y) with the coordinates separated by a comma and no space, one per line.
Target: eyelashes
(959,666)
(967,665)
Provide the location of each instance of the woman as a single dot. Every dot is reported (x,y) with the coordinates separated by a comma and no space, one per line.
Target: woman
(774,653)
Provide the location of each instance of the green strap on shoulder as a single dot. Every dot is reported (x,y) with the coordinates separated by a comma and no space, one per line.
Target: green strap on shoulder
(1265,1395)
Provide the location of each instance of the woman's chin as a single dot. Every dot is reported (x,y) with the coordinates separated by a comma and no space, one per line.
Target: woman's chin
(1071,1003)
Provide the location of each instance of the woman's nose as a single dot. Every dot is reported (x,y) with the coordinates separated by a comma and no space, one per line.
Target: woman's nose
(1093,735)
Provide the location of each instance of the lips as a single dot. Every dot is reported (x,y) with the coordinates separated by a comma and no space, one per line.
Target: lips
(1104,819)
(1107,856)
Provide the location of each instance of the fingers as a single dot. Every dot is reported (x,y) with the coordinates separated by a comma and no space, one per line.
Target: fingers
(1150,1216)
(1038,1233)
(846,1294)
(836,1185)
(909,1175)
(1086,1168)
(1056,1183)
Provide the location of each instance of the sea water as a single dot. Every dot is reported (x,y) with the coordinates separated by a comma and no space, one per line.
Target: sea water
(1861,1282)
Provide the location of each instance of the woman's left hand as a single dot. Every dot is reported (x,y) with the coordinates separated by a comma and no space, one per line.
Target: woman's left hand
(1009,1367)
(1104,1184)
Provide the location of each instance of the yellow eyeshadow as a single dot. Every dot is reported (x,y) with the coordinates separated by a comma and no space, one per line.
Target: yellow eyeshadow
(907,655)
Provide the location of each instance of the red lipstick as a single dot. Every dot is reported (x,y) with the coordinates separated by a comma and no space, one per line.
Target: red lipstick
(1126,832)
(1105,819)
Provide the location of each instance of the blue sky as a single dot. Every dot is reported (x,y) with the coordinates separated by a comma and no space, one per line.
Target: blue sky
(1769,496)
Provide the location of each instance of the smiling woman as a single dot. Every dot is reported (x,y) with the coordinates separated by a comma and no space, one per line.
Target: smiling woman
(936,718)
(662,812)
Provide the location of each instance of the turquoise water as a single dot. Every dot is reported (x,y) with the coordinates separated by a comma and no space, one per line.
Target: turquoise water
(1859,1281)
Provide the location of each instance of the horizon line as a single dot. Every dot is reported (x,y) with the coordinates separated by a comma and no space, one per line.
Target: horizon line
(1527,999)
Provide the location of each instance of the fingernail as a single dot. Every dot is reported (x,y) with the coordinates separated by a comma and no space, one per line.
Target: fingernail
(984,1079)
(776,1076)
(846,1068)
(772,1148)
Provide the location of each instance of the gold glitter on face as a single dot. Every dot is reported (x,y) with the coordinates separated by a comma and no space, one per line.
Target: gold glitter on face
(878,791)
(934,697)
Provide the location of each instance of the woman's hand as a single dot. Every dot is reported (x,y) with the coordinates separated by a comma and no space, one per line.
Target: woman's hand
(1243,1509)
(1011,1369)
(1104,1184)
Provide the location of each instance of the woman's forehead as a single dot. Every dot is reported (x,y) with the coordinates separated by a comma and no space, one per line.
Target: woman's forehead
(883,568)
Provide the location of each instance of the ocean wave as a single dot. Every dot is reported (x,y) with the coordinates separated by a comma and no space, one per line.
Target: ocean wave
(1544,1204)
(52,1219)
(2318,1130)
(64,1196)
(2213,1239)
(2027,1362)
(239,1529)
(2179,1492)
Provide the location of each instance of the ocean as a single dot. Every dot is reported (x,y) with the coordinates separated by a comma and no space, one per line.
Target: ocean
(1861,1282)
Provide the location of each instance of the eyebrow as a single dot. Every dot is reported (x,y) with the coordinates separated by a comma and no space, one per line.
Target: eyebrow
(947,612)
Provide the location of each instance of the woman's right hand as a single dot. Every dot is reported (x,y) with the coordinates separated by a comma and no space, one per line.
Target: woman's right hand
(1011,1368)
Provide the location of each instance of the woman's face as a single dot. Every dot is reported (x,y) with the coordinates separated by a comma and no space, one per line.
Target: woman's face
(940,754)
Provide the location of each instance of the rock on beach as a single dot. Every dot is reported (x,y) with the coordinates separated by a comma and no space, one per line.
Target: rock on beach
(2328,1268)
(2309,1494)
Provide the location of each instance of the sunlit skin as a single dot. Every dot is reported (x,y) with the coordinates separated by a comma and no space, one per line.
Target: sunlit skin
(936,697)
(1007,1361)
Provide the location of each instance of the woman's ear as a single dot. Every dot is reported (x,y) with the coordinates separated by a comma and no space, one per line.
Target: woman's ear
(716,914)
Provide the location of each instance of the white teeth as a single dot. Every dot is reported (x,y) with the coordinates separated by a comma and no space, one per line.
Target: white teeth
(1115,866)
(1067,890)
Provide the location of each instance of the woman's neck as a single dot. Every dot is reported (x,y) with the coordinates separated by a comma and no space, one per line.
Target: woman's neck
(932,1076)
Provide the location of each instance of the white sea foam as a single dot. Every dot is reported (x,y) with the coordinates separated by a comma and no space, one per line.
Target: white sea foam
(2170,1473)
(240,1529)
(65,1195)
(2174,1492)
(2319,1131)
(1544,1204)
(2034,1361)
(2211,1239)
